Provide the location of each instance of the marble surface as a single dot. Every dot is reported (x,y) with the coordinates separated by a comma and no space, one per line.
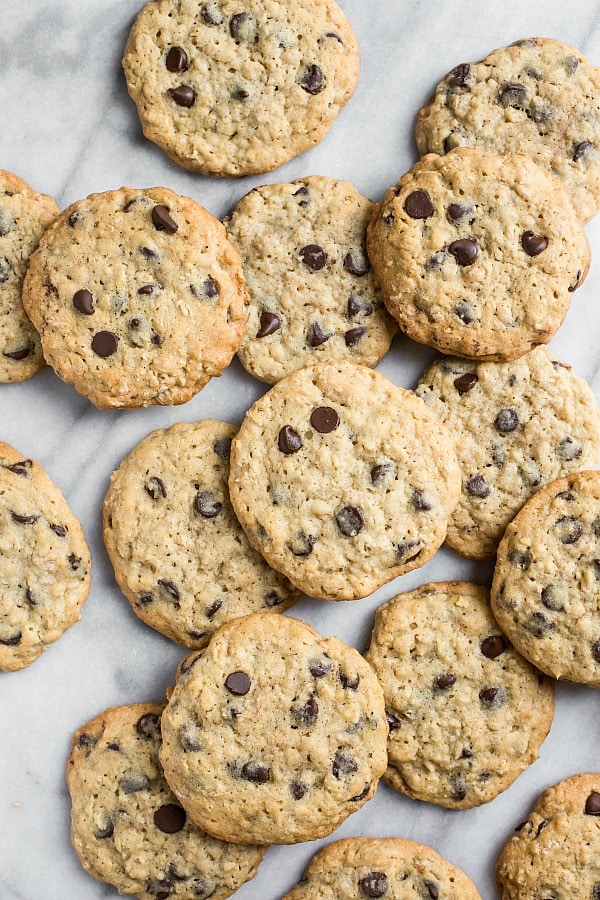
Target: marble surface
(69,128)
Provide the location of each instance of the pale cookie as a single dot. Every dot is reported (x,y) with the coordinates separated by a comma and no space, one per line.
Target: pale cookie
(126,825)
(180,555)
(274,734)
(478,255)
(547,579)
(555,853)
(391,868)
(24,216)
(517,426)
(44,562)
(538,97)
(313,295)
(466,712)
(138,297)
(239,86)
(343,480)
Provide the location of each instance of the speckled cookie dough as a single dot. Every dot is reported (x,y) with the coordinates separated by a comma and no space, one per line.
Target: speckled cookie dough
(180,555)
(517,427)
(44,562)
(555,852)
(313,295)
(126,825)
(546,581)
(466,712)
(274,732)
(343,480)
(538,97)
(478,255)
(236,87)
(138,296)
(24,215)
(391,868)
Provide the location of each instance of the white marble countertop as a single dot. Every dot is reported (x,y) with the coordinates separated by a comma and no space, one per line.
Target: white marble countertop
(67,127)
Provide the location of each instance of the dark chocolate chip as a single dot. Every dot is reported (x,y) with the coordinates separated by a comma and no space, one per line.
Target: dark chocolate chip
(460,76)
(189,735)
(170,818)
(324,419)
(464,383)
(177,60)
(169,588)
(161,888)
(174,873)
(30,597)
(147,289)
(302,544)
(405,550)
(493,646)
(569,449)
(379,472)
(362,794)
(354,335)
(222,447)
(393,722)
(106,831)
(238,683)
(86,742)
(595,895)
(183,95)
(84,302)
(155,487)
(551,598)
(581,150)
(349,683)
(269,324)
(541,115)
(207,505)
(343,764)
(320,668)
(420,501)
(298,790)
(569,530)
(255,772)
(105,343)
(576,283)
(539,625)
(272,599)
(349,520)
(5,269)
(162,220)
(12,641)
(133,781)
(533,244)
(596,651)
(239,94)
(492,697)
(307,713)
(145,599)
(513,94)
(375,884)
(444,682)
(74,561)
(477,486)
(316,336)
(157,340)
(356,263)
(243,27)
(59,530)
(592,804)
(433,890)
(456,211)
(210,14)
(24,520)
(150,253)
(464,251)
(519,559)
(358,306)
(148,726)
(313,256)
(435,262)
(467,753)
(22,468)
(458,786)
(418,205)
(313,80)
(506,421)
(19,354)
(465,312)
(389,218)
(288,440)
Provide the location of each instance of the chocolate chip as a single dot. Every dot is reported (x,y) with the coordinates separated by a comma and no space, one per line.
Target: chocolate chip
(19,354)
(592,804)
(362,794)
(316,336)
(379,472)
(298,790)
(389,218)
(569,449)
(243,27)
(161,888)
(493,646)
(456,211)
(519,559)
(147,289)
(569,530)
(460,76)
(269,324)
(12,641)
(405,550)
(343,764)
(173,873)
(106,831)
(176,60)
(506,421)
(150,253)
(552,596)
(313,80)
(255,772)
(464,251)
(596,651)
(444,682)
(190,734)
(581,150)
(22,468)
(320,668)
(477,486)
(240,94)
(24,520)
(183,95)
(238,684)
(302,544)
(458,786)
(222,447)
(465,383)
(356,263)
(105,343)
(162,220)
(420,501)
(467,753)
(354,335)
(432,889)
(349,520)
(375,884)
(533,244)
(324,419)
(86,742)
(307,713)
(492,697)
(539,625)
(435,263)
(84,302)
(155,487)
(213,609)
(5,269)
(513,94)
(314,257)
(148,726)
(207,505)
(393,722)
(595,895)
(133,781)
(576,283)
(349,683)
(465,312)
(210,14)
(59,530)
(74,561)
(272,599)
(170,818)
(418,205)
(30,597)
(169,588)
(288,440)
(541,115)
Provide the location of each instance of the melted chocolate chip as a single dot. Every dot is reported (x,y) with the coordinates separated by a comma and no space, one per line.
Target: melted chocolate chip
(456,211)
(59,530)
(460,76)
(320,668)
(324,419)
(288,440)
(539,625)
(176,60)
(576,283)
(106,831)
(169,588)
(569,530)
(354,335)
(307,713)
(493,646)
(84,302)
(379,472)
(313,80)
(513,94)
(255,772)
(581,150)
(183,95)
(356,263)
(86,742)
(349,683)
(238,684)
(477,486)
(24,520)
(316,336)
(506,421)
(458,786)
(19,354)
(375,884)
(444,682)
(432,889)
(105,343)
(30,597)
(314,257)
(269,324)
(148,726)
(464,251)
(155,487)
(189,733)
(349,520)
(404,550)
(393,722)
(465,312)
(592,804)
(272,599)
(533,244)
(170,818)
(362,794)
(343,764)
(389,218)
(12,641)
(418,205)
(160,888)
(162,220)
(207,505)
(22,468)
(465,383)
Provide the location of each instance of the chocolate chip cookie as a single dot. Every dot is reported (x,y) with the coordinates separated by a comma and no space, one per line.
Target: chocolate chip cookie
(554,853)
(313,295)
(517,425)
(126,825)
(235,87)
(466,712)
(44,562)
(24,216)
(138,296)
(273,733)
(392,868)
(478,255)
(547,576)
(180,555)
(538,97)
(343,480)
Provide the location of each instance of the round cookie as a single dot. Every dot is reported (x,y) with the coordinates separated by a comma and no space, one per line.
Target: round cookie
(466,712)
(554,853)
(138,297)
(538,97)
(274,732)
(313,295)
(517,425)
(343,480)
(126,825)
(545,588)
(44,562)
(235,87)
(478,255)
(180,555)
(391,868)
(24,216)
